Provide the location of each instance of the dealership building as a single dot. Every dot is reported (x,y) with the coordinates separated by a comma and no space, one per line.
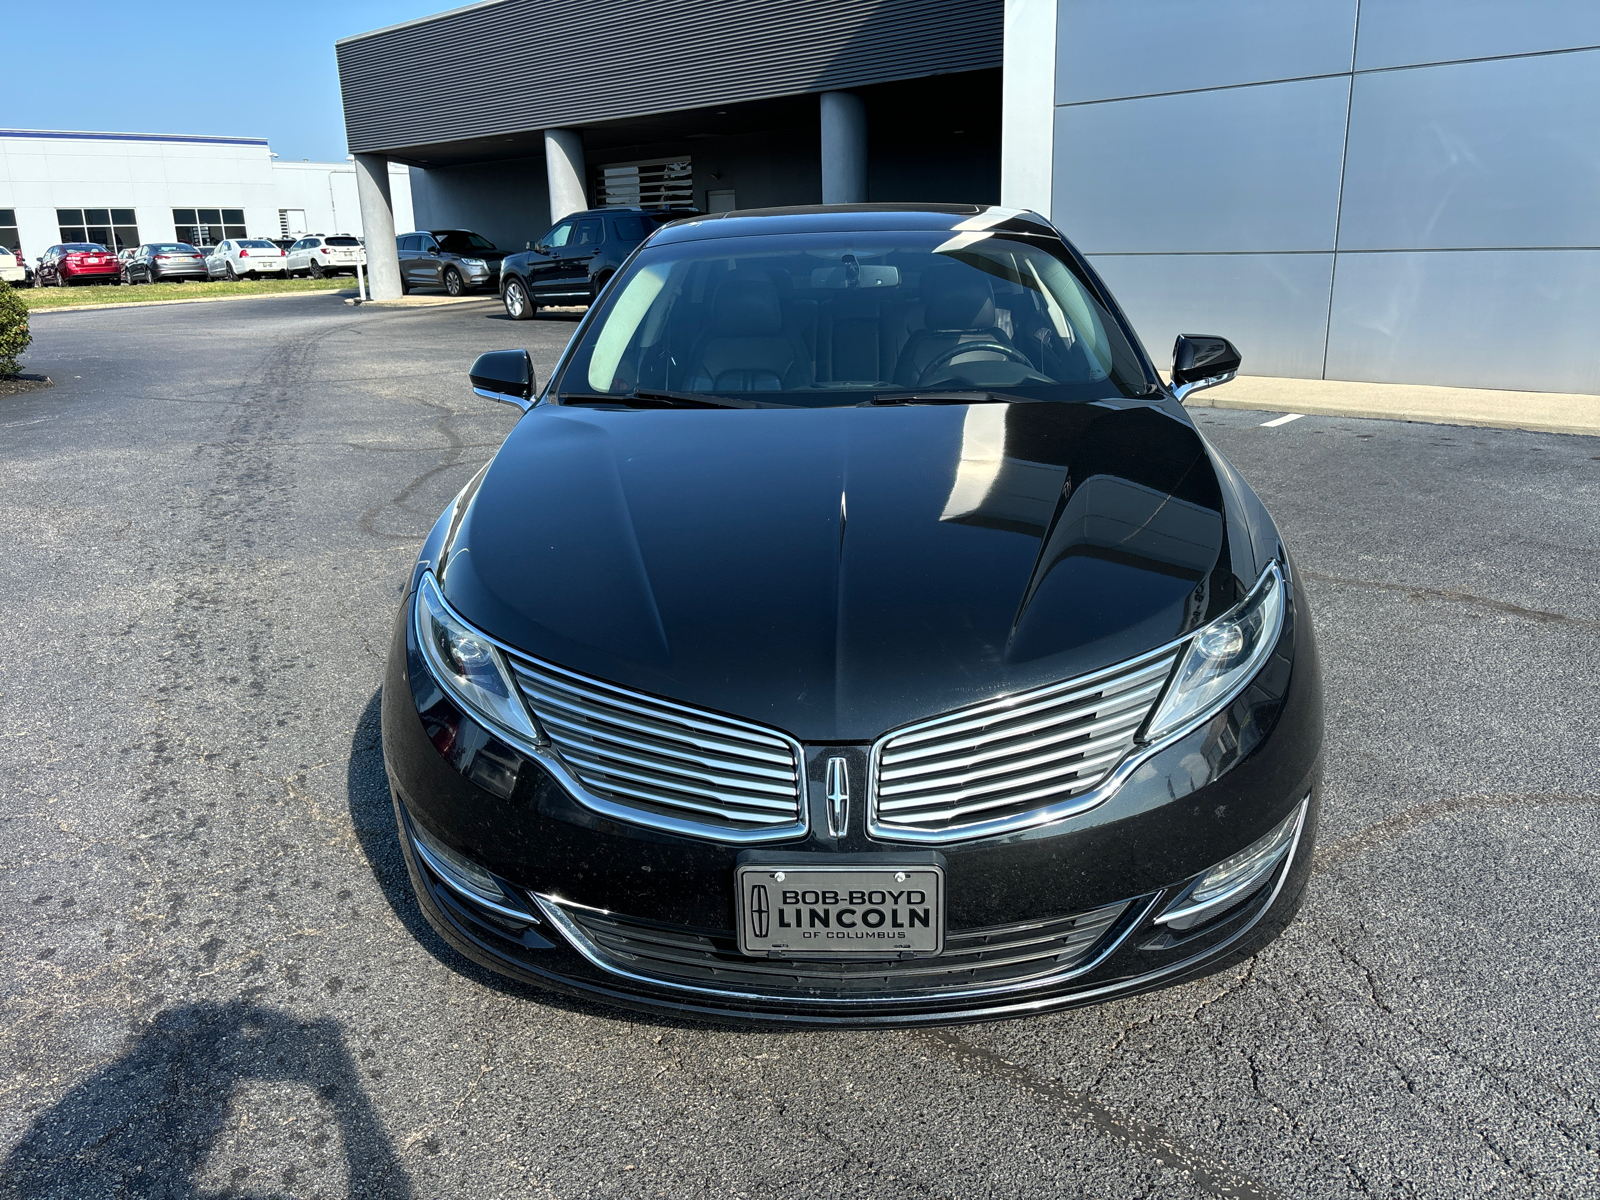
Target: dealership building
(121,189)
(1395,191)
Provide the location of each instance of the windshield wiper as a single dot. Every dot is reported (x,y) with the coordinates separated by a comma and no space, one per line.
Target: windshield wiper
(945,398)
(653,398)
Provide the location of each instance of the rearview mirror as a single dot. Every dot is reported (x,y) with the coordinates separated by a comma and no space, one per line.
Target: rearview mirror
(1201,361)
(504,375)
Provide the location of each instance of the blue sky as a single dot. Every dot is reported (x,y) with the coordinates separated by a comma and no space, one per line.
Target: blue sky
(291,100)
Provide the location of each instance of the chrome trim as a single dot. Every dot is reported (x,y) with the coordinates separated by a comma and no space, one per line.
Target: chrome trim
(442,872)
(1182,390)
(1191,914)
(546,758)
(552,908)
(695,730)
(838,795)
(504,398)
(1107,787)
(549,906)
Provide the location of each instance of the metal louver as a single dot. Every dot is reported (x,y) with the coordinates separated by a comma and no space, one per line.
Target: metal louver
(656,763)
(1015,762)
(663,184)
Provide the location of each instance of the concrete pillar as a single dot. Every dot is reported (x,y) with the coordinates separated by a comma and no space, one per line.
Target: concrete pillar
(377,226)
(844,149)
(1028,106)
(563,164)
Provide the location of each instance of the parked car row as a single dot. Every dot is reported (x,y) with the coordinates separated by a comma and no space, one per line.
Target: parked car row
(568,265)
(71,263)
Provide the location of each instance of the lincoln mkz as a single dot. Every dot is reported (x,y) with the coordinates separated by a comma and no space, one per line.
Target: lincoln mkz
(855,629)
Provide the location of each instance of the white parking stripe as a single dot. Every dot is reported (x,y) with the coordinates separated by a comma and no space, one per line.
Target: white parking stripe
(1281,420)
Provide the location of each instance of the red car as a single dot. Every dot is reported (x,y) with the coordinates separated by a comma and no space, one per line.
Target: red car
(76,262)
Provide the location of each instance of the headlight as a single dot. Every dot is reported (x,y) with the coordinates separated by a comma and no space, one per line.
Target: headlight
(469,667)
(473,262)
(1223,657)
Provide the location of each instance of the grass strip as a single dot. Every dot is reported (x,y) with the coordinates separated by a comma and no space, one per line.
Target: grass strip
(56,297)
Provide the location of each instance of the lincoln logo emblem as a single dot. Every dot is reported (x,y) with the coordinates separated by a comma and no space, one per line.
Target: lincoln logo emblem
(838,797)
(760,914)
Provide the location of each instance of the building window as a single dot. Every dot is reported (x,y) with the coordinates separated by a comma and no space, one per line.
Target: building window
(661,183)
(113,228)
(292,222)
(208,226)
(9,237)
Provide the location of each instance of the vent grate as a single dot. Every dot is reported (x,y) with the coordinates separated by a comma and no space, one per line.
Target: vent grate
(664,764)
(972,771)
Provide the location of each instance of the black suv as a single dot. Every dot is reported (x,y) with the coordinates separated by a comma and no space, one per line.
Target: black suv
(571,263)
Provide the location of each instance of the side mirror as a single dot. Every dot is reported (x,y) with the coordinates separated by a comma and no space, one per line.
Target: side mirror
(1201,361)
(504,375)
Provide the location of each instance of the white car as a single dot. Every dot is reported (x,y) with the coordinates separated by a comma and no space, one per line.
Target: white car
(13,267)
(319,255)
(242,257)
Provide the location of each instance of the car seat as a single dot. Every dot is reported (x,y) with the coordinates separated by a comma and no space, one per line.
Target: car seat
(746,347)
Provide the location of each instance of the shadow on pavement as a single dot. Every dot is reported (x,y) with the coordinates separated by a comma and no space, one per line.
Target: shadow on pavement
(145,1125)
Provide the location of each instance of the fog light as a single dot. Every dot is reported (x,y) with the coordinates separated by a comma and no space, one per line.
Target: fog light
(1235,878)
(462,875)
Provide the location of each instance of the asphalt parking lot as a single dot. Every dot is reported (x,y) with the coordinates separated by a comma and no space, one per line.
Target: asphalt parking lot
(217,982)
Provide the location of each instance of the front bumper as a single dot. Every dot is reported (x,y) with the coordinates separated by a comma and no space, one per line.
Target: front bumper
(644,919)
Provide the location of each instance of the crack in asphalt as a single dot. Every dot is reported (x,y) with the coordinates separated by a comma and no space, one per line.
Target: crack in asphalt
(1426,593)
(1204,1172)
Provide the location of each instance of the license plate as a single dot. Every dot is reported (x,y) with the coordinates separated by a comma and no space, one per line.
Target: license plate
(871,911)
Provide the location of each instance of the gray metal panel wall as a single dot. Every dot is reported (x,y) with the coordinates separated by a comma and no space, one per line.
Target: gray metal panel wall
(1460,198)
(535,64)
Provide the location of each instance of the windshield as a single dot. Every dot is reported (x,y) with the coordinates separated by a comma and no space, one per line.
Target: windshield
(84,248)
(341,241)
(174,248)
(458,241)
(258,245)
(823,319)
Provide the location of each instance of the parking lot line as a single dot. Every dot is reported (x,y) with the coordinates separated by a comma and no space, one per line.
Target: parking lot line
(1276,421)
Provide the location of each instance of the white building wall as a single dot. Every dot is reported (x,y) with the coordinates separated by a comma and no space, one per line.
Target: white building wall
(326,193)
(41,171)
(1398,191)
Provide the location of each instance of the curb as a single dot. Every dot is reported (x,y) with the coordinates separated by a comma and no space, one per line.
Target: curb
(55,308)
(1535,412)
(419,301)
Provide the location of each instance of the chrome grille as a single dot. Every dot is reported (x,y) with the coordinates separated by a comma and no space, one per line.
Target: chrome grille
(653,762)
(1020,760)
(999,956)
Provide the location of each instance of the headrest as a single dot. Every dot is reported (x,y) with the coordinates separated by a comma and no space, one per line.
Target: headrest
(957,298)
(747,306)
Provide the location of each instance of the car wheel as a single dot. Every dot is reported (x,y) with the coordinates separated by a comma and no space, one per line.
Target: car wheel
(62,280)
(453,283)
(230,272)
(124,278)
(598,286)
(316,271)
(518,306)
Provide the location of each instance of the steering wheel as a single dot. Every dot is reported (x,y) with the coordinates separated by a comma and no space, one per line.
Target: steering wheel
(949,356)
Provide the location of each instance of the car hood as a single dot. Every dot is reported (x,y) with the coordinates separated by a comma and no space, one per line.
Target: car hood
(837,572)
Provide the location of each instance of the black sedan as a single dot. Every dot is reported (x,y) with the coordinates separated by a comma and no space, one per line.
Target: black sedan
(856,630)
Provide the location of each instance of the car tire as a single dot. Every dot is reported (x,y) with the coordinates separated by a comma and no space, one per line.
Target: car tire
(315,270)
(519,306)
(125,279)
(453,283)
(597,286)
(227,269)
(405,285)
